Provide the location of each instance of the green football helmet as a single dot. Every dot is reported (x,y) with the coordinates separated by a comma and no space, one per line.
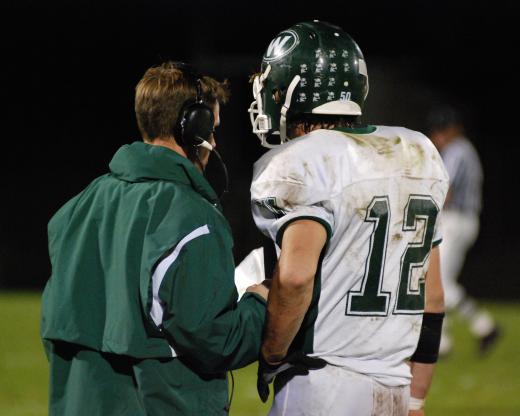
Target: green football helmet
(312,67)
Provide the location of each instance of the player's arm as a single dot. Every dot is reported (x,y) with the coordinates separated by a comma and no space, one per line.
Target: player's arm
(423,360)
(292,286)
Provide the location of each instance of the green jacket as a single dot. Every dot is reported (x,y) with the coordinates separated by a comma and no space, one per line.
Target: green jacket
(142,266)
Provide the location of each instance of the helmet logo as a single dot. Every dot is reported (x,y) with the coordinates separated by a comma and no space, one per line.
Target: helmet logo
(280,46)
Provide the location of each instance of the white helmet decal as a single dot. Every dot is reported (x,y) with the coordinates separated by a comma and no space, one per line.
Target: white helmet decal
(280,46)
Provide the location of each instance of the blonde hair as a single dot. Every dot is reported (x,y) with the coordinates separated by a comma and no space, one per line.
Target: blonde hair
(161,94)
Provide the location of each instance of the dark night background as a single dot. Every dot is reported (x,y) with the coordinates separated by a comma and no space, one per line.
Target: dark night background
(69,70)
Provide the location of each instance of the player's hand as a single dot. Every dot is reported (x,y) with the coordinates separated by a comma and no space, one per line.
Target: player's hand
(261,289)
(265,376)
(416,412)
(298,363)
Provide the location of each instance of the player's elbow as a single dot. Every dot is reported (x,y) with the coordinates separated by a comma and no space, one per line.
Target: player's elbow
(296,279)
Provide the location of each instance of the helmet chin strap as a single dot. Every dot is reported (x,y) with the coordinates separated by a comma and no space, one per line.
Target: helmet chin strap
(285,108)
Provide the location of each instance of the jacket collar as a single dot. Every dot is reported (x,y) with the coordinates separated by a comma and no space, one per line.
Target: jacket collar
(140,162)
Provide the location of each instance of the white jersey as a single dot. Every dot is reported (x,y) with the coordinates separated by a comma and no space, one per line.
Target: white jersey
(378,192)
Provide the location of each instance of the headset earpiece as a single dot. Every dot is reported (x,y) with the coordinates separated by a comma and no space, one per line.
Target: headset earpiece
(196,124)
(196,120)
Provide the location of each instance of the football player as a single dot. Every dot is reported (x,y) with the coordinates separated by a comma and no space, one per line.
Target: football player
(460,223)
(356,303)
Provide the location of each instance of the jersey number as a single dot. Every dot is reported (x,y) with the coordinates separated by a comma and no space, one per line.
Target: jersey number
(371,299)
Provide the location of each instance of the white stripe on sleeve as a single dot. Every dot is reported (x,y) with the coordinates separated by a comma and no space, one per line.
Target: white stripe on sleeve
(156,311)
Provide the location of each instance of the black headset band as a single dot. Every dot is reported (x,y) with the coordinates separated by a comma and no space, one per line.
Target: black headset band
(195,120)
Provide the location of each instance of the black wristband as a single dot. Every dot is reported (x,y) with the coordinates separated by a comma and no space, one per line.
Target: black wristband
(429,341)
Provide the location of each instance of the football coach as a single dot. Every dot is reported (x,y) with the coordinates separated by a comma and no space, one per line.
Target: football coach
(140,314)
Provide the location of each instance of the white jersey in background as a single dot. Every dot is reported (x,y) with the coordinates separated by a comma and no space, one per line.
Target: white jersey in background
(378,191)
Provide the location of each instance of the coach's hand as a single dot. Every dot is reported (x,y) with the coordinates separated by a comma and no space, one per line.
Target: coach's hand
(416,412)
(261,289)
(297,363)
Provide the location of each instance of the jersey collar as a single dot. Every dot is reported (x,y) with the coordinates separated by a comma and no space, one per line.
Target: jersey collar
(357,130)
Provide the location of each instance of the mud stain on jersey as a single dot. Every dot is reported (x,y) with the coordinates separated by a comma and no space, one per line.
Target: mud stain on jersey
(417,152)
(385,149)
(307,170)
(358,141)
(330,168)
(381,145)
(397,237)
(362,212)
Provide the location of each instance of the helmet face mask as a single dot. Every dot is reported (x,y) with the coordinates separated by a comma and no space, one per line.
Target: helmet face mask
(259,120)
(312,67)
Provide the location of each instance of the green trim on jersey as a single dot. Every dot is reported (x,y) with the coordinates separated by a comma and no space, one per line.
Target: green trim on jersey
(436,243)
(357,130)
(282,229)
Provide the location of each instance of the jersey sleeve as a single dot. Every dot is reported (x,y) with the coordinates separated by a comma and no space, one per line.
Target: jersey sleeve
(283,192)
(201,317)
(437,232)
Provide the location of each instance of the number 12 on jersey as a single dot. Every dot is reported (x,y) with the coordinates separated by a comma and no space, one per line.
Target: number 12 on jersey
(371,300)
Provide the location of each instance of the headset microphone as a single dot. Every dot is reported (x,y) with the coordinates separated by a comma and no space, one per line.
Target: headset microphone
(205,144)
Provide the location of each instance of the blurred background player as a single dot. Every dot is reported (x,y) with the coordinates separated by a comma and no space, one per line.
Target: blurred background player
(353,210)
(460,222)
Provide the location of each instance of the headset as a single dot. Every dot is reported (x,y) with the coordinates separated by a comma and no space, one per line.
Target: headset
(196,121)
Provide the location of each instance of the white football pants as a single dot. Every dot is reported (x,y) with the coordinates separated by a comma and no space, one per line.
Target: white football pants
(459,232)
(335,391)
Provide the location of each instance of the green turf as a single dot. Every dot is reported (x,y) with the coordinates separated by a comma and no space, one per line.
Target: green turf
(464,385)
(23,368)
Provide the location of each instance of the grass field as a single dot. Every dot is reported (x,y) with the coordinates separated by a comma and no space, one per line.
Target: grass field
(464,384)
